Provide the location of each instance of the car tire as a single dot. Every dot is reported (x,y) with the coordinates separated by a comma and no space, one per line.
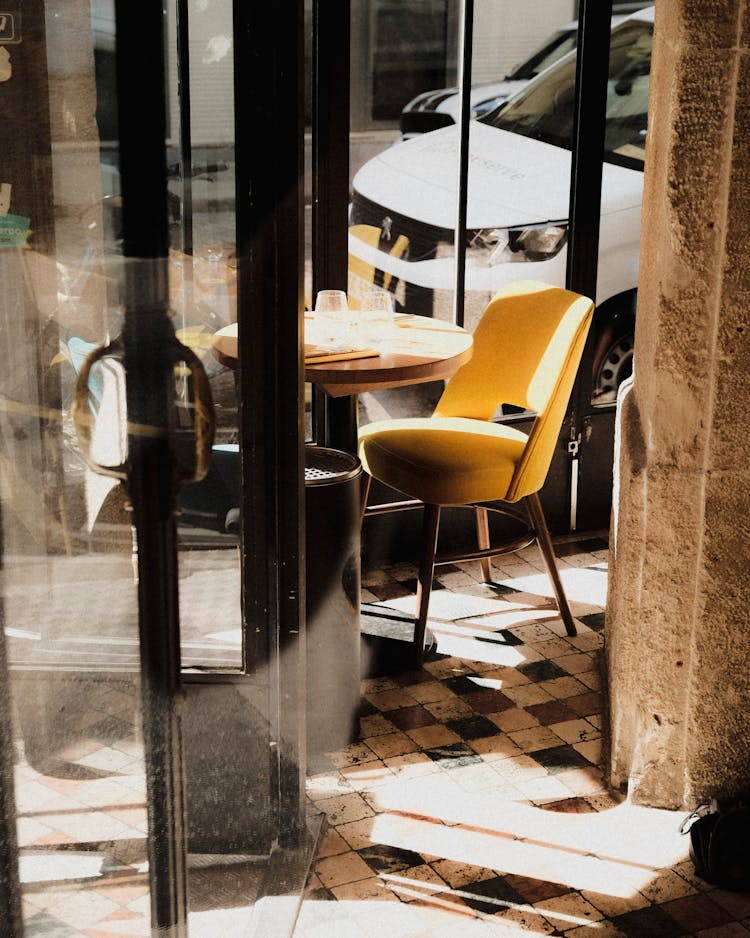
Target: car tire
(615,367)
(613,356)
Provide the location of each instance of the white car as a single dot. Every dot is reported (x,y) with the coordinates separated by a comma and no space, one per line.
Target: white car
(432,110)
(518,195)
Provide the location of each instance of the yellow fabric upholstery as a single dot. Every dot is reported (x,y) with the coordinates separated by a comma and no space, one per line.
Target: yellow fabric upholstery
(443,460)
(527,348)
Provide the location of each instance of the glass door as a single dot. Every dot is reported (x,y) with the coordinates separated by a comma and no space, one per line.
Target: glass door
(151,597)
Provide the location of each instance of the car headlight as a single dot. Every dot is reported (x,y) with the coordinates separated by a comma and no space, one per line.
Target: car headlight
(488,245)
(493,246)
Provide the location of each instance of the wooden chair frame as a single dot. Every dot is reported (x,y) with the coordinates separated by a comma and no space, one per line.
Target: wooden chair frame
(528,511)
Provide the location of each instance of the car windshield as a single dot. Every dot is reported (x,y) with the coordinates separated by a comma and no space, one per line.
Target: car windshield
(550,52)
(544,110)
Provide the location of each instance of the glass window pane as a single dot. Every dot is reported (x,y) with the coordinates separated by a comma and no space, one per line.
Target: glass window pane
(519,175)
(399,52)
(68,586)
(69,571)
(203,293)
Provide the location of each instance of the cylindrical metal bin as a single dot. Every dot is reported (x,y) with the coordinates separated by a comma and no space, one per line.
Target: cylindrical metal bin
(332,497)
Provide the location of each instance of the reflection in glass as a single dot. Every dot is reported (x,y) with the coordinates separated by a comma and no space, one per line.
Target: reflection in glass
(545,111)
(69,569)
(69,600)
(203,298)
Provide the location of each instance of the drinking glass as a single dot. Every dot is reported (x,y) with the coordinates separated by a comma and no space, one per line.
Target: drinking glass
(332,320)
(331,301)
(376,318)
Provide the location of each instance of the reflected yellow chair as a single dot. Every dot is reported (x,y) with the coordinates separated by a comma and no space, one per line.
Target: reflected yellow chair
(527,348)
(361,273)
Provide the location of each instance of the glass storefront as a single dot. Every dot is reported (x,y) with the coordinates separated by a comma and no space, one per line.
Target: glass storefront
(143,661)
(201,169)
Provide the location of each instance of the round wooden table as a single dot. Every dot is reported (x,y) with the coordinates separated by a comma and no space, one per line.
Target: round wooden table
(420,349)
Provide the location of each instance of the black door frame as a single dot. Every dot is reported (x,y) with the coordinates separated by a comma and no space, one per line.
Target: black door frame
(146,339)
(269,137)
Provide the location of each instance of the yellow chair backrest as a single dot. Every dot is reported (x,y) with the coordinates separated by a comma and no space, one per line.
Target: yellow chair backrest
(362,274)
(527,348)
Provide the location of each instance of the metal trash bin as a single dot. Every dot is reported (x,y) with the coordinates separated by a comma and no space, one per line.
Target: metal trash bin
(332,511)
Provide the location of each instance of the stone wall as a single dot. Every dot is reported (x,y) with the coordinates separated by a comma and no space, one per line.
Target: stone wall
(678,644)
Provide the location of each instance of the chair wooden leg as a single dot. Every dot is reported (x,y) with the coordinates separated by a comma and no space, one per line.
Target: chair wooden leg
(539,524)
(481,516)
(364,491)
(430,525)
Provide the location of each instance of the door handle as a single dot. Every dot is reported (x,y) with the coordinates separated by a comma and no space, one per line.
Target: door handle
(204,424)
(84,412)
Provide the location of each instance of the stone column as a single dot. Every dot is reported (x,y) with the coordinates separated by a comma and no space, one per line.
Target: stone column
(678,636)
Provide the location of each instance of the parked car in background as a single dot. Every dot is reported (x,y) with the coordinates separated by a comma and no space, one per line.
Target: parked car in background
(432,110)
(518,194)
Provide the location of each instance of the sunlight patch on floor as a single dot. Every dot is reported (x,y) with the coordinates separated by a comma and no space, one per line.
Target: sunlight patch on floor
(582,584)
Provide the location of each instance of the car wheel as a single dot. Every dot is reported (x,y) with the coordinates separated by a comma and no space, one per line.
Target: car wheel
(612,369)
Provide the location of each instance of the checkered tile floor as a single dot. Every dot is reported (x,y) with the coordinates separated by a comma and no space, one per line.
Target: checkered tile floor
(82,840)
(474,802)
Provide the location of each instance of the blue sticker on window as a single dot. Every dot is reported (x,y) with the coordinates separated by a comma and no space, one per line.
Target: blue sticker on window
(14,230)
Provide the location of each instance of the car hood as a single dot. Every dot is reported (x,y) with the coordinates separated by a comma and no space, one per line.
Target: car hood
(513,180)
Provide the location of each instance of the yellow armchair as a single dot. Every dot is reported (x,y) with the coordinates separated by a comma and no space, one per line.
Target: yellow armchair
(527,348)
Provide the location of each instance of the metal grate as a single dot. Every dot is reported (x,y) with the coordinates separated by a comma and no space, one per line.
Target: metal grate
(323,465)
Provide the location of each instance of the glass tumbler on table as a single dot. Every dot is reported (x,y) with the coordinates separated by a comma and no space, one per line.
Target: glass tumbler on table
(332,322)
(376,321)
